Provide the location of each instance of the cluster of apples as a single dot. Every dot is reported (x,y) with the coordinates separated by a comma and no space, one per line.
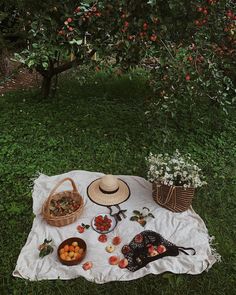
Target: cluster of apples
(113,260)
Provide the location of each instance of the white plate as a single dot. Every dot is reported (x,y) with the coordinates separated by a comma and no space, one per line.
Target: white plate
(113,223)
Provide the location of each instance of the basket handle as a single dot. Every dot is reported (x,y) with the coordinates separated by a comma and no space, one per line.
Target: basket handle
(60,182)
(171,191)
(54,190)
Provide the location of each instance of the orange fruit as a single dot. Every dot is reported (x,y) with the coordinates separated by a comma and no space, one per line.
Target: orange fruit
(66,248)
(72,248)
(75,244)
(77,248)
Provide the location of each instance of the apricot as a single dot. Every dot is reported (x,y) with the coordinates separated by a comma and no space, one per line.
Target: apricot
(61,251)
(77,248)
(77,256)
(75,244)
(71,254)
(66,248)
(81,251)
(68,258)
(62,256)
(72,248)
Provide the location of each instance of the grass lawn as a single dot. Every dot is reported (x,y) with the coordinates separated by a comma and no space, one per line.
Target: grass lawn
(102,127)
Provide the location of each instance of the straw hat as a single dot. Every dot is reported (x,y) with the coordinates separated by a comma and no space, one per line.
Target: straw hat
(108,190)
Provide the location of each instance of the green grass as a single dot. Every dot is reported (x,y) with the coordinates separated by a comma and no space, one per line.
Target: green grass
(102,127)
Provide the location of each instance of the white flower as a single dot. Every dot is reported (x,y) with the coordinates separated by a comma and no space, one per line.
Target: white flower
(174,170)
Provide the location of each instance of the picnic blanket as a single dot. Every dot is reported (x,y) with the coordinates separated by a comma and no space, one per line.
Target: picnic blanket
(185,229)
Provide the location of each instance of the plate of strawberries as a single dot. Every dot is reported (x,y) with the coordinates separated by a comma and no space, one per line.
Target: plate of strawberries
(103,223)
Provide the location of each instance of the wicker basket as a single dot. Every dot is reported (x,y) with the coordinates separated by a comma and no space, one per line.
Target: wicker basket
(69,218)
(174,198)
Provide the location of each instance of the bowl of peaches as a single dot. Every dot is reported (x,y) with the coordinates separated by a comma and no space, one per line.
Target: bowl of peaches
(71,251)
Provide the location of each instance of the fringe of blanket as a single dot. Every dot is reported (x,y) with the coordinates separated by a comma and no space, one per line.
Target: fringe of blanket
(214,252)
(33,178)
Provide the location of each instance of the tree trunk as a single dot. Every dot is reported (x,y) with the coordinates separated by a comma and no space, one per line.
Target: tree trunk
(4,62)
(46,86)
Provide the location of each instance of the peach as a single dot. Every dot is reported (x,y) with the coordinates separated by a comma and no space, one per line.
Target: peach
(110,248)
(123,263)
(102,238)
(116,240)
(114,260)
(87,265)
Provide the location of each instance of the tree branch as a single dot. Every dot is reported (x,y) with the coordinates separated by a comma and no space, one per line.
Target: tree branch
(72,63)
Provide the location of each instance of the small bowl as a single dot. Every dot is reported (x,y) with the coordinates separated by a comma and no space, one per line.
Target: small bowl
(81,244)
(113,224)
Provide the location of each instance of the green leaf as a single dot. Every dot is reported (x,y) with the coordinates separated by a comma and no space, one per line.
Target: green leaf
(87,226)
(151,215)
(134,218)
(136,212)
(30,63)
(77,42)
(146,208)
(45,65)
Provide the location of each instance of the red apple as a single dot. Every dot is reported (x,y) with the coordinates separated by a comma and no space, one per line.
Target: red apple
(187,78)
(123,263)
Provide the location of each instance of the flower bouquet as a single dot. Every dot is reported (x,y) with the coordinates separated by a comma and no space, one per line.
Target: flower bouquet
(174,179)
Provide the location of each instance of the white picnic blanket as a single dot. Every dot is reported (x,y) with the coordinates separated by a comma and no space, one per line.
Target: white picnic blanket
(185,229)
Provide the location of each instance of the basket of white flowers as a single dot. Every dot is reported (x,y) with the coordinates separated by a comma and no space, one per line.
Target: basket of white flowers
(174,179)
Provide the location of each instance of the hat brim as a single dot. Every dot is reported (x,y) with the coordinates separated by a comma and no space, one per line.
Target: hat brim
(100,198)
